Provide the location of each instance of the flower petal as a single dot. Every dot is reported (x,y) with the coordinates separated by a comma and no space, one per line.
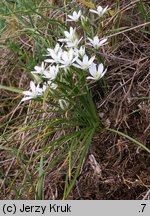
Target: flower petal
(93,11)
(90,78)
(27,93)
(49,60)
(32,86)
(26,98)
(100,68)
(103,41)
(93,69)
(91,60)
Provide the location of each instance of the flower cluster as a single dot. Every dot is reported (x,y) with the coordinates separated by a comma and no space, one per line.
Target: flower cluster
(70,52)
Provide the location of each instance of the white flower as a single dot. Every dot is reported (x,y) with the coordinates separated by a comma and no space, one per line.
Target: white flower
(39,69)
(75,17)
(63,104)
(56,50)
(79,52)
(100,11)
(96,42)
(55,54)
(96,73)
(67,59)
(51,73)
(72,44)
(35,92)
(55,58)
(85,63)
(70,36)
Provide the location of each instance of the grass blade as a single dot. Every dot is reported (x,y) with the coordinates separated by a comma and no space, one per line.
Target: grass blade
(40,181)
(129,138)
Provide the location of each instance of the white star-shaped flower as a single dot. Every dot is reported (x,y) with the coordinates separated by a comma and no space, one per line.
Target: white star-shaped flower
(100,11)
(35,92)
(69,36)
(39,69)
(56,50)
(55,54)
(85,63)
(96,42)
(79,52)
(96,74)
(68,59)
(75,16)
(51,73)
(73,44)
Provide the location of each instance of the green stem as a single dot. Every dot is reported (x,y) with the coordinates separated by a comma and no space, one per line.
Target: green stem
(100,26)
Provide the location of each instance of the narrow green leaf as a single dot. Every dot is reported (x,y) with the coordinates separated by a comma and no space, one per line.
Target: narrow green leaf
(129,138)
(12,89)
(40,181)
